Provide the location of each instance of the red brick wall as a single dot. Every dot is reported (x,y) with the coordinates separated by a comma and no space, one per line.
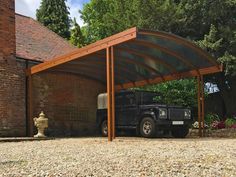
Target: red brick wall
(12,77)
(12,100)
(7,29)
(69,101)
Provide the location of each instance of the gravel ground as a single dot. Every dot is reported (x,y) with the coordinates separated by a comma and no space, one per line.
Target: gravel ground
(122,157)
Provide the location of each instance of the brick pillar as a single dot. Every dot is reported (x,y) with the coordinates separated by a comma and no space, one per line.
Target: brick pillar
(12,77)
(7,30)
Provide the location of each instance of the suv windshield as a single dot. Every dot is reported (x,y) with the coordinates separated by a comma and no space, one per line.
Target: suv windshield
(149,97)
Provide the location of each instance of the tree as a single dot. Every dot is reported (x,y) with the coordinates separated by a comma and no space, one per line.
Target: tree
(76,37)
(54,14)
(106,17)
(181,92)
(221,43)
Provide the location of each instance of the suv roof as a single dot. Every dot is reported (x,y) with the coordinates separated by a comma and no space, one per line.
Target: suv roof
(127,91)
(102,97)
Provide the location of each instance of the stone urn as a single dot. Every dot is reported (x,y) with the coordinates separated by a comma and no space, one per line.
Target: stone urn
(41,123)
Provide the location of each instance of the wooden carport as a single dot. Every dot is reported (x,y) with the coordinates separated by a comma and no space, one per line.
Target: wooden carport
(133,58)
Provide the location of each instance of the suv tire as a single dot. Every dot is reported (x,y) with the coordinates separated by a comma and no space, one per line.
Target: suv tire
(180,132)
(147,127)
(104,129)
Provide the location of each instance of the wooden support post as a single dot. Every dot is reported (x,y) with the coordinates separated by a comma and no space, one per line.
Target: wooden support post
(201,105)
(113,92)
(109,104)
(202,108)
(30,125)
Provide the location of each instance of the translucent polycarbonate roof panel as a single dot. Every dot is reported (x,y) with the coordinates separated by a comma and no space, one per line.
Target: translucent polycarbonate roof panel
(140,57)
(180,46)
(168,62)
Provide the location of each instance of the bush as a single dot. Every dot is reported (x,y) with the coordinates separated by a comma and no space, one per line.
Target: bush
(230,122)
(218,125)
(214,124)
(210,118)
(233,126)
(221,125)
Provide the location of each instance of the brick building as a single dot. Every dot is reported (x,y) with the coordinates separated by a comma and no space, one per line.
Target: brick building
(23,43)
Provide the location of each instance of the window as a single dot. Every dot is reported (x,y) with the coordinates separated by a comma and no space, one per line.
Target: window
(150,98)
(119,100)
(129,99)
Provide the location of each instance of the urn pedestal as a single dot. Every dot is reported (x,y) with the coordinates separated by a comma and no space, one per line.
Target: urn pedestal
(41,123)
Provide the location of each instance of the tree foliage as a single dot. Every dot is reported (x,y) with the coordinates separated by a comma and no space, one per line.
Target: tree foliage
(181,92)
(106,17)
(76,37)
(54,14)
(213,43)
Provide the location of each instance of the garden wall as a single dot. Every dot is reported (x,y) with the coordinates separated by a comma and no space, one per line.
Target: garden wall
(69,101)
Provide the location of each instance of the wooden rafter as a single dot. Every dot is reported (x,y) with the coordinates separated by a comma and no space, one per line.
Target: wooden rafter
(113,92)
(170,77)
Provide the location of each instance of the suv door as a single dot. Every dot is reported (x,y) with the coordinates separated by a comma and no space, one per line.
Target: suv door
(128,112)
(118,110)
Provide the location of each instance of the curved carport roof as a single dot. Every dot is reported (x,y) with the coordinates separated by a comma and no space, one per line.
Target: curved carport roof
(140,57)
(133,58)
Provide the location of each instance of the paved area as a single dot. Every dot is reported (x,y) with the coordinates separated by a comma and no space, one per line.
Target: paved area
(18,139)
(123,157)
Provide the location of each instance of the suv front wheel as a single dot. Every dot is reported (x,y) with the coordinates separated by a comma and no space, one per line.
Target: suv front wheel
(147,127)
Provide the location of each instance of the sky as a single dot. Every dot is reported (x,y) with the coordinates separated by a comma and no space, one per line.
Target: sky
(28,8)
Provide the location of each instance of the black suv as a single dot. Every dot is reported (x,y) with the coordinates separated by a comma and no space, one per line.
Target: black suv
(139,110)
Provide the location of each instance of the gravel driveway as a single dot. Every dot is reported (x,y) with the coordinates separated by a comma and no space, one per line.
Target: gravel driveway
(122,157)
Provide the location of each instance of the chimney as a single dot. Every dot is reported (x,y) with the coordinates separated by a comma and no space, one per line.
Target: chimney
(7,30)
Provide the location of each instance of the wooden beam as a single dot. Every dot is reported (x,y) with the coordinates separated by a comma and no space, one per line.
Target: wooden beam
(30,107)
(113,92)
(170,77)
(202,105)
(199,106)
(109,113)
(78,53)
(200,83)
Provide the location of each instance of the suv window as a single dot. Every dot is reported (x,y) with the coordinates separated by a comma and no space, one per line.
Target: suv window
(129,99)
(119,100)
(149,97)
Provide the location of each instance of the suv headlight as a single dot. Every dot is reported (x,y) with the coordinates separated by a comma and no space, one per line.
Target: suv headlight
(187,114)
(162,113)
